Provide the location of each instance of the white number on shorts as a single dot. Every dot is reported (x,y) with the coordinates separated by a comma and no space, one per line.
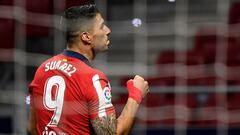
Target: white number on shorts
(56,103)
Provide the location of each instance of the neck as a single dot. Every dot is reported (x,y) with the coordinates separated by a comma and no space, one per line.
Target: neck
(89,54)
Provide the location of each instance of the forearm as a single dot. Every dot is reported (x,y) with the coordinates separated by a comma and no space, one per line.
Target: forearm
(126,119)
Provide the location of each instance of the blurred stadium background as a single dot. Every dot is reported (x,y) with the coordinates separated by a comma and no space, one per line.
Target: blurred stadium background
(187,49)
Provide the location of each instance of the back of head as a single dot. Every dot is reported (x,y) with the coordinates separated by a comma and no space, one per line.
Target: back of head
(78,19)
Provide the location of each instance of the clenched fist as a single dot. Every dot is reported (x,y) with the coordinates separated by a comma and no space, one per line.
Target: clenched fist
(141,84)
(137,88)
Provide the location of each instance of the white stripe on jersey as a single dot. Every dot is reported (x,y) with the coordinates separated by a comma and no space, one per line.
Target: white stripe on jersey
(99,90)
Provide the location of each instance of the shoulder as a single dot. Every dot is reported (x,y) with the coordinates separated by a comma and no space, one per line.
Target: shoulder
(96,82)
(93,76)
(91,72)
(99,78)
(100,74)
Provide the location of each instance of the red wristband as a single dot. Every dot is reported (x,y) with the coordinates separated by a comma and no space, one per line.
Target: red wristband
(134,92)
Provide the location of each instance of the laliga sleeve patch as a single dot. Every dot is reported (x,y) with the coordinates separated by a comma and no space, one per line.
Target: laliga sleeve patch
(107,95)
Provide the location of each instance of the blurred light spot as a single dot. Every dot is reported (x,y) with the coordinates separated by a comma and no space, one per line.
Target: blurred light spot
(27,100)
(136,22)
(171,0)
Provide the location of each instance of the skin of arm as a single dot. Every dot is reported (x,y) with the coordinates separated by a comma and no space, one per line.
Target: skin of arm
(126,119)
(32,122)
(109,125)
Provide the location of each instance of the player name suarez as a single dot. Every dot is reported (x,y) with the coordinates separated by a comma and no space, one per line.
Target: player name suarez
(67,68)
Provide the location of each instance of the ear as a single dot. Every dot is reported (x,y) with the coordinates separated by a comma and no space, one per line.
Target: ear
(86,38)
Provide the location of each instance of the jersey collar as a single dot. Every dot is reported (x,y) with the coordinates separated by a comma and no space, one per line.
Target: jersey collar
(77,55)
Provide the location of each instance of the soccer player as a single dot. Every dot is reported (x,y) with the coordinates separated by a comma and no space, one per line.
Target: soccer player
(68,95)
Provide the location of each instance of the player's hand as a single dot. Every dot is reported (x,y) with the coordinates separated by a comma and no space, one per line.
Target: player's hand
(141,84)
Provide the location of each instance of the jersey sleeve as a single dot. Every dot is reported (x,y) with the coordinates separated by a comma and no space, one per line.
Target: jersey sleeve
(35,84)
(99,97)
(31,86)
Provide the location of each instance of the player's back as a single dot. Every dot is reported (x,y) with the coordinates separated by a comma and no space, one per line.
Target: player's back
(60,93)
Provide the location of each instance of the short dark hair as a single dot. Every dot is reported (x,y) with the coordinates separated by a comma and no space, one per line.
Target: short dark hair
(76,18)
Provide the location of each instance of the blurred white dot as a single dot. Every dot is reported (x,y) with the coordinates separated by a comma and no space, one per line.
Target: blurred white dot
(171,0)
(27,100)
(136,22)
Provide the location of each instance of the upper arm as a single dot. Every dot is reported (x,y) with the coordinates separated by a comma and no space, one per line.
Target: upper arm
(99,98)
(106,125)
(101,110)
